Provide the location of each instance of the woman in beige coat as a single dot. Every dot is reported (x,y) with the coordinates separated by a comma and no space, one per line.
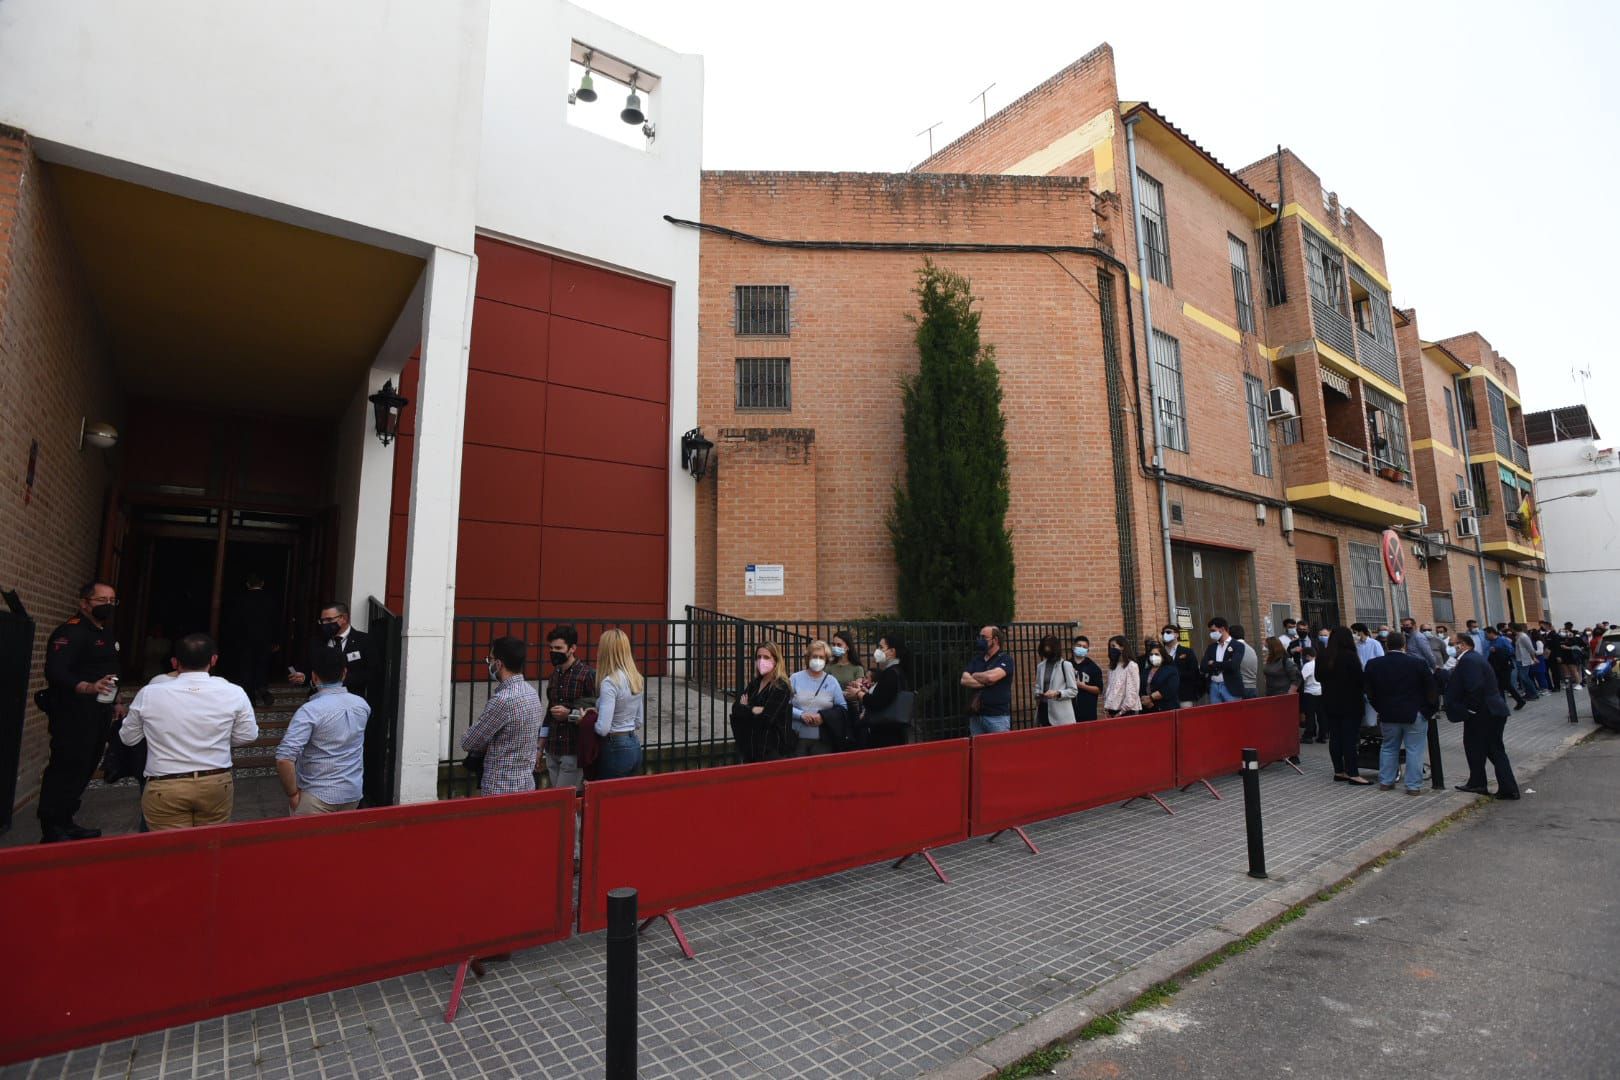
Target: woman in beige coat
(1055,684)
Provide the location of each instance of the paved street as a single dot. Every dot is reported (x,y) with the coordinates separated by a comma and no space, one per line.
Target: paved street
(873,972)
(1490,950)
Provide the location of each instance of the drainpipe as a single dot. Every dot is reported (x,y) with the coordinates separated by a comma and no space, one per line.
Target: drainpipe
(1468,478)
(1153,377)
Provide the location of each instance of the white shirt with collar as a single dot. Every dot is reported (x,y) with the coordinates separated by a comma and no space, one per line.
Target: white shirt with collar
(190,722)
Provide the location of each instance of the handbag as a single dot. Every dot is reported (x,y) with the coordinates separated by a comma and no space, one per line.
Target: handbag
(897,711)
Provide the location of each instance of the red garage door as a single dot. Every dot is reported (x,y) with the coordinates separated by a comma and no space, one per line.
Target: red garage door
(564,474)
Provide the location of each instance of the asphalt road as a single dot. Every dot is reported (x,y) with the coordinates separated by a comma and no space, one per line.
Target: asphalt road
(1491,949)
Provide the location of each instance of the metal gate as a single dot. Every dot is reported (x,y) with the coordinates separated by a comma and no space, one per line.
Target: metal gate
(1319,593)
(16,657)
(1214,581)
(381,751)
(1495,605)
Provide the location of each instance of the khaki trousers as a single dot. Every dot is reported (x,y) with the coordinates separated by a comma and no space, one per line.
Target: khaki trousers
(309,804)
(182,803)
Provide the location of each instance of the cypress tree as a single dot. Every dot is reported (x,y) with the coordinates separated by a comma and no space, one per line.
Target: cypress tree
(949,522)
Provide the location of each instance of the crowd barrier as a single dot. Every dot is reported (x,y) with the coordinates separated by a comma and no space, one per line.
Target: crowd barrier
(110,938)
(1024,776)
(683,839)
(1210,738)
(120,936)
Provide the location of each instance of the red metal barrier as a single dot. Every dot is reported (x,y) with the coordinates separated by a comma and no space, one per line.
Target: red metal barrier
(111,938)
(1025,776)
(1210,739)
(682,839)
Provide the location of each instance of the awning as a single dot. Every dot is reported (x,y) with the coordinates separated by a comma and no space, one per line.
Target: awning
(1334,381)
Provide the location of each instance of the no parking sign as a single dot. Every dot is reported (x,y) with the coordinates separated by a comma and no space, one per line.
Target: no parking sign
(1394,561)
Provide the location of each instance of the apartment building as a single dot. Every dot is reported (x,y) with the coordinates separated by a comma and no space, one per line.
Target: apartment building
(1577,496)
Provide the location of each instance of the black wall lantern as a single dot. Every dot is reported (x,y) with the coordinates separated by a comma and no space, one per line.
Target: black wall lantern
(695,451)
(388,403)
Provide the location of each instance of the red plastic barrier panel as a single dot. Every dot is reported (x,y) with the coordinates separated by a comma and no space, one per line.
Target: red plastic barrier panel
(683,839)
(110,938)
(1210,739)
(1025,776)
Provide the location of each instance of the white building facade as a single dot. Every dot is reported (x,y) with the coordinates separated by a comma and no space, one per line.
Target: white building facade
(1581,531)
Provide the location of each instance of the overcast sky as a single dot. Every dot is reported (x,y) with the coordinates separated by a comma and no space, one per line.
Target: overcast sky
(1479,139)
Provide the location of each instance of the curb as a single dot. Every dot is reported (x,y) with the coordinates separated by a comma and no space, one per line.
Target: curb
(1064,1021)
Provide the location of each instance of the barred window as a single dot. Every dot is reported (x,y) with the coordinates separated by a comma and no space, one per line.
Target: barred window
(764,383)
(1171,397)
(1242,288)
(1482,494)
(1271,265)
(1326,268)
(1155,229)
(1367,576)
(1259,443)
(1386,427)
(1451,416)
(1470,417)
(762,311)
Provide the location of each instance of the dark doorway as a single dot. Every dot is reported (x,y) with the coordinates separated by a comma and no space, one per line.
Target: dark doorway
(1216,581)
(1319,593)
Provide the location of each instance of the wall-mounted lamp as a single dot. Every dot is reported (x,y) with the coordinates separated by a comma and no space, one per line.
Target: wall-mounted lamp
(101,436)
(387,403)
(695,451)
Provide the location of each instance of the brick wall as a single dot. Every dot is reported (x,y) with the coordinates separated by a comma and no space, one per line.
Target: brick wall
(767,490)
(53,371)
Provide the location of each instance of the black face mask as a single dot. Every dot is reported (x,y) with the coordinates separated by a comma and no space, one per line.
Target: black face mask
(102,612)
(558,659)
(1113,653)
(329,629)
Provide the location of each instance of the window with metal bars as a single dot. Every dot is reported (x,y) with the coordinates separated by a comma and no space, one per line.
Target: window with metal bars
(1482,494)
(1242,288)
(1367,577)
(1259,444)
(762,311)
(1155,228)
(764,383)
(1326,267)
(1470,417)
(1386,427)
(1271,267)
(1171,403)
(1499,420)
(1451,415)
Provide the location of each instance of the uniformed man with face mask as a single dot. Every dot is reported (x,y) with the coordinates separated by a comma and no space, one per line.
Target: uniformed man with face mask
(81,673)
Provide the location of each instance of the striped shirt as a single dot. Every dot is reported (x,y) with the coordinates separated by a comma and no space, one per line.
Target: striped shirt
(507,733)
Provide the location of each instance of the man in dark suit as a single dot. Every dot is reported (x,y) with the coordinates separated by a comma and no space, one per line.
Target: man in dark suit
(1474,698)
(1402,690)
(336,633)
(1223,663)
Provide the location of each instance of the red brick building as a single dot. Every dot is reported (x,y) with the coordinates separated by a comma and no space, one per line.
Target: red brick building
(1140,419)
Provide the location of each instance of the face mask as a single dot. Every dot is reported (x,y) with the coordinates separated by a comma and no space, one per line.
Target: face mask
(839,651)
(494,668)
(102,612)
(1155,659)
(879,656)
(982,645)
(1288,632)
(329,629)
(1113,652)
(765,665)
(1382,634)
(1214,635)
(1451,650)
(1169,639)
(558,659)
(1324,638)
(1080,651)
(817,664)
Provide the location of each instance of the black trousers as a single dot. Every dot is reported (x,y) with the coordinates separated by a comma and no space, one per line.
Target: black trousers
(255,670)
(78,738)
(881,735)
(1313,721)
(1344,733)
(1504,682)
(1482,742)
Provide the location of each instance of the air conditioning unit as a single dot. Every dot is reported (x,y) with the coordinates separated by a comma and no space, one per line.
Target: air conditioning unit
(1467,526)
(1280,404)
(1423,517)
(1435,539)
(1463,500)
(1420,551)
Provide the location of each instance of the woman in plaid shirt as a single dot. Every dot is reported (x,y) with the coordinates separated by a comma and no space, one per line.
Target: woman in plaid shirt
(508,729)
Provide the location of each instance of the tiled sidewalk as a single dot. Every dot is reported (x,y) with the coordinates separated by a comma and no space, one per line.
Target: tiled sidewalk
(873,972)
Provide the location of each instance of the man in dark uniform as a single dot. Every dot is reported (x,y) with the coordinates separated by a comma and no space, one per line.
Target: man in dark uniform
(336,633)
(81,662)
(251,636)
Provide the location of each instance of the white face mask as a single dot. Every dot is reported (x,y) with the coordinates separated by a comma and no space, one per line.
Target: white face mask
(1080,651)
(817,663)
(879,656)
(839,651)
(1169,638)
(1214,635)
(1155,659)
(1451,650)
(494,668)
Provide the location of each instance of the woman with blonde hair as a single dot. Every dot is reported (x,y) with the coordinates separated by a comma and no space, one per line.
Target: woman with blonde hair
(819,707)
(620,707)
(760,720)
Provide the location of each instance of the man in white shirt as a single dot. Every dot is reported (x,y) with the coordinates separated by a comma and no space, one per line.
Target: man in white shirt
(190,721)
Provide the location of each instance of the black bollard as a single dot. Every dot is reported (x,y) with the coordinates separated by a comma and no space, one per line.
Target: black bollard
(1569,696)
(1437,773)
(1251,812)
(621,984)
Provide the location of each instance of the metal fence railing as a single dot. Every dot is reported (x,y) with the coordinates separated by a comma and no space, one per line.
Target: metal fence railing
(697,666)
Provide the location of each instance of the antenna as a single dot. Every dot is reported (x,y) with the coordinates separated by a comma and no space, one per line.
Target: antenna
(984,105)
(929,131)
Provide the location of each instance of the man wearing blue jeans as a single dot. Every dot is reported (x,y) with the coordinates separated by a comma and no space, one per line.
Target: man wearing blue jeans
(1403,691)
(989,675)
(1223,663)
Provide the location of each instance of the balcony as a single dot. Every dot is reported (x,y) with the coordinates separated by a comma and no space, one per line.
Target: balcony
(1521,456)
(1338,477)
(1507,537)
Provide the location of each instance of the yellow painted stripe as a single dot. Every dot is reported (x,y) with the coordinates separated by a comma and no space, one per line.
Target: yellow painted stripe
(1430,444)
(1348,367)
(1482,372)
(1204,318)
(1332,489)
(1508,547)
(1296,210)
(1136,282)
(1065,148)
(1482,459)
(1102,161)
(1269,354)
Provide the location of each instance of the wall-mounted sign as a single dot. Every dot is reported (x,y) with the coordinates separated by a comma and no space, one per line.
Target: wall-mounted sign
(764,579)
(1198,565)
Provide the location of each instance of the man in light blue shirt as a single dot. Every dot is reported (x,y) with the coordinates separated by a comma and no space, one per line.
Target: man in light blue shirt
(321,758)
(1367,646)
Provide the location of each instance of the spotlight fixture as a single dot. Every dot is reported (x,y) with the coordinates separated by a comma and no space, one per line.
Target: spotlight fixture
(631,113)
(100,435)
(587,88)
